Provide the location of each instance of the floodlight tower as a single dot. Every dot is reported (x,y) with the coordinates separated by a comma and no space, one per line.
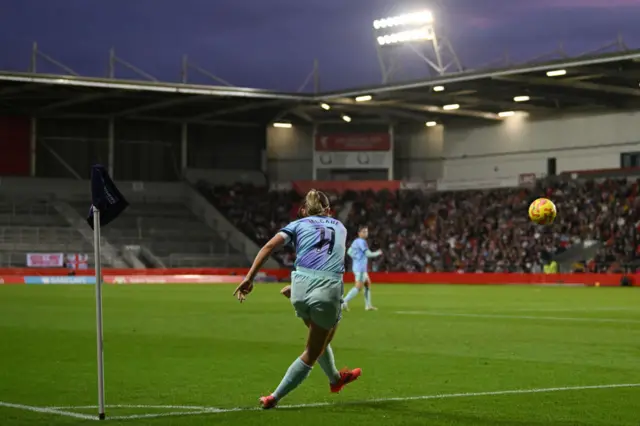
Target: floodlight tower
(416,31)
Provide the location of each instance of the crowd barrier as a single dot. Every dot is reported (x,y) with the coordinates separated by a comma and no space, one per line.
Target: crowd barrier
(234,275)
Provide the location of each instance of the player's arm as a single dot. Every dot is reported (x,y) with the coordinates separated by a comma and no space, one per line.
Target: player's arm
(351,252)
(246,286)
(277,241)
(371,254)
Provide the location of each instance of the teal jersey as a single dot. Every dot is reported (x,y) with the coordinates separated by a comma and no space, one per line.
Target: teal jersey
(320,243)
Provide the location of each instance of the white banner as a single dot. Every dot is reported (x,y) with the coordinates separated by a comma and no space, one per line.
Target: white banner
(353,159)
(45,260)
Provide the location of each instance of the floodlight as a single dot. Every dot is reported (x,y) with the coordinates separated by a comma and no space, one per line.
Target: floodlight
(421,34)
(505,114)
(438,88)
(556,73)
(364,98)
(451,107)
(431,123)
(282,125)
(521,98)
(325,107)
(416,18)
(346,118)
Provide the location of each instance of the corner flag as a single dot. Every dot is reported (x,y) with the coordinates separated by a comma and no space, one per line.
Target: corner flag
(107,203)
(105,197)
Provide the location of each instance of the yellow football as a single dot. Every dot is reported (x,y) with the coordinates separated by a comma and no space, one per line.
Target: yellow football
(542,211)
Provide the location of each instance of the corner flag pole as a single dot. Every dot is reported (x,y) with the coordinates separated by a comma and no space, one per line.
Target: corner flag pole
(100,342)
(107,203)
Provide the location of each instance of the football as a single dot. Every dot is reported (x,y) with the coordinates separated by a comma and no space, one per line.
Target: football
(542,211)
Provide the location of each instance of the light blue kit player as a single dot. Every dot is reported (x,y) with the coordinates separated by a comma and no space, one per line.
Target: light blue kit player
(360,254)
(316,291)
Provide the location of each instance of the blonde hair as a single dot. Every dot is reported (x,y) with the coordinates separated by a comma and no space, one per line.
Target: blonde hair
(316,203)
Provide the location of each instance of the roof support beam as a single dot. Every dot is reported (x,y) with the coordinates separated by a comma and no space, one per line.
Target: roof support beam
(75,101)
(240,108)
(153,119)
(429,109)
(542,81)
(159,105)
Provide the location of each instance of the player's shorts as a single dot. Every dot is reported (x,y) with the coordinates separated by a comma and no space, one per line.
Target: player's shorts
(316,296)
(361,277)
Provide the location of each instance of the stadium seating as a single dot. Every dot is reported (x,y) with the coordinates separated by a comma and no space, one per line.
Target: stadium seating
(171,232)
(463,231)
(254,210)
(31,225)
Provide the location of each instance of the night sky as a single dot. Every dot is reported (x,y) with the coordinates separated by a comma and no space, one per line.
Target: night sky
(272,43)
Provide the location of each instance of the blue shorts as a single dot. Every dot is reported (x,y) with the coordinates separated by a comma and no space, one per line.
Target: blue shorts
(316,296)
(361,277)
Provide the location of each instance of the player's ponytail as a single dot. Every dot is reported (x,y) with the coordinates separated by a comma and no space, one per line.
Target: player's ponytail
(316,203)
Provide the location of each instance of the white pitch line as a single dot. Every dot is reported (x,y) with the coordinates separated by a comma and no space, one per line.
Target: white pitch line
(527,317)
(214,410)
(160,407)
(47,411)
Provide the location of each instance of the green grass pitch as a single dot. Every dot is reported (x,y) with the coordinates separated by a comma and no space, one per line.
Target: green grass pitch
(432,355)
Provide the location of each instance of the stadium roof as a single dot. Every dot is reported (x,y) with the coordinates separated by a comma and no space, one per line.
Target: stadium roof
(586,84)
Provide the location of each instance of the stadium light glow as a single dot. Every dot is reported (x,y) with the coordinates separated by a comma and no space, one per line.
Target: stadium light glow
(282,125)
(556,73)
(364,98)
(451,107)
(438,88)
(416,18)
(431,124)
(505,114)
(346,118)
(325,107)
(405,36)
(521,98)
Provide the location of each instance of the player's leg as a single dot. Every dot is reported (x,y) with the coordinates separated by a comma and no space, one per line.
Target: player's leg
(300,368)
(326,312)
(355,290)
(367,294)
(317,303)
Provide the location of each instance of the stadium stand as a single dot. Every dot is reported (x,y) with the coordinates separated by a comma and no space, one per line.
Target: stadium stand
(171,232)
(442,231)
(32,225)
(256,212)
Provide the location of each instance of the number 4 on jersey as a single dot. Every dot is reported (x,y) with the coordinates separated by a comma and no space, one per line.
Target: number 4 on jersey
(324,240)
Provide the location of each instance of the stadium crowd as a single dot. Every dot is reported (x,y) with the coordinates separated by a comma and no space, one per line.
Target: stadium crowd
(464,231)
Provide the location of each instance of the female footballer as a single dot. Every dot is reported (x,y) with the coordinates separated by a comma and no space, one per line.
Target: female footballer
(315,293)
(360,254)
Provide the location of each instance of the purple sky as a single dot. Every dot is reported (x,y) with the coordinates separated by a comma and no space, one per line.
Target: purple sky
(272,43)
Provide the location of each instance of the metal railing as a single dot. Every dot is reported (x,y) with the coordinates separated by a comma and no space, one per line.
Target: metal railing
(36,234)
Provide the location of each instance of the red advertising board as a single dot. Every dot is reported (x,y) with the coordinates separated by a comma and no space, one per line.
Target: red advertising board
(173,279)
(229,275)
(354,142)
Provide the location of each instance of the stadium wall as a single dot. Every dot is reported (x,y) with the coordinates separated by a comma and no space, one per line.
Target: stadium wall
(518,145)
(15,135)
(289,153)
(143,150)
(418,152)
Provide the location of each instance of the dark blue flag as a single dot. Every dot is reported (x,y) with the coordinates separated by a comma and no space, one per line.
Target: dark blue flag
(105,196)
